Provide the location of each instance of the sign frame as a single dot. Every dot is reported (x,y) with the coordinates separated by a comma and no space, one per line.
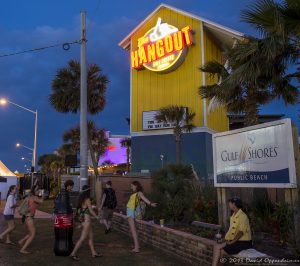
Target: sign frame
(291,157)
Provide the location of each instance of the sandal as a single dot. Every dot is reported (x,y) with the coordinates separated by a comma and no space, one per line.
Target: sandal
(10,243)
(24,252)
(97,256)
(134,251)
(74,257)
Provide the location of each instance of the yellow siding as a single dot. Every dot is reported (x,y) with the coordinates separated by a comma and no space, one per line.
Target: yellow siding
(152,91)
(216,119)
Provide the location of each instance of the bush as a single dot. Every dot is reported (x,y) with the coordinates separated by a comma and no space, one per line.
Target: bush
(172,190)
(205,203)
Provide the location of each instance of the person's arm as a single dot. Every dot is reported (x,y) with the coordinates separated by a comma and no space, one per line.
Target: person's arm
(89,204)
(236,238)
(38,200)
(102,202)
(11,201)
(142,196)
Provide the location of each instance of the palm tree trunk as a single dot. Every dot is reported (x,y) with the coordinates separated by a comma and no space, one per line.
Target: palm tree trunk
(251,110)
(178,150)
(97,181)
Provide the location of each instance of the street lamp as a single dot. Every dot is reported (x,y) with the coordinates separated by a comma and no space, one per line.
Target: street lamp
(23,158)
(162,160)
(4,101)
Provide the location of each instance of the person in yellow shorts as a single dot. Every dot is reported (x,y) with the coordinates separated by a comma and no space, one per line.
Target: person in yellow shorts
(238,237)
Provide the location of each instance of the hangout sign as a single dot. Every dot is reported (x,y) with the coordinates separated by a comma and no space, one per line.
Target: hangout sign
(257,156)
(162,48)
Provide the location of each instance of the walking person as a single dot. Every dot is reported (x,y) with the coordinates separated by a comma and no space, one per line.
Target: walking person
(136,196)
(238,237)
(108,204)
(9,214)
(33,202)
(84,213)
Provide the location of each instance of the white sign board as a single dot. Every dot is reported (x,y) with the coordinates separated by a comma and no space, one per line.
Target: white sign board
(149,122)
(257,156)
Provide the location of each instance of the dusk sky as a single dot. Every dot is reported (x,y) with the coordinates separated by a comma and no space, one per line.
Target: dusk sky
(26,79)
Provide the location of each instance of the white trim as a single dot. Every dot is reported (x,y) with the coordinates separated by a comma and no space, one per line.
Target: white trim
(203,74)
(169,132)
(130,112)
(125,42)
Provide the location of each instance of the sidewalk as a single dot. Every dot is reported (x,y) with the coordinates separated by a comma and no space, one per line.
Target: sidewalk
(114,246)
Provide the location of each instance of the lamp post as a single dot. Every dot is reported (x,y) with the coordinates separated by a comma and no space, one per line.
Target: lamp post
(4,102)
(18,145)
(162,160)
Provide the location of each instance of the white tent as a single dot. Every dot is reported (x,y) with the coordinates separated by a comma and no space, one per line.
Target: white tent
(7,178)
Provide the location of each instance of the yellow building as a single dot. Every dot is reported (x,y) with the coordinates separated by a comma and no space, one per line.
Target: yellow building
(166,51)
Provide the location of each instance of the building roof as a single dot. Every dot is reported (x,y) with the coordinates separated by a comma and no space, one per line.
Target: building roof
(224,34)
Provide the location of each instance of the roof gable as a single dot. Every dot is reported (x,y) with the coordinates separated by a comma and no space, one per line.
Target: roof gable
(219,31)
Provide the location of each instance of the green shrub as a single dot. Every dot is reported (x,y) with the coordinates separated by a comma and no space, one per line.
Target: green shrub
(172,190)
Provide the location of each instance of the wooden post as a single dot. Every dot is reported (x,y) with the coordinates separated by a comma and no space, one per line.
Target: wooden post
(222,206)
(292,195)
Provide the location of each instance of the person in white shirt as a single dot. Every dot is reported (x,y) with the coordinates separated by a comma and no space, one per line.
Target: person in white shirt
(9,214)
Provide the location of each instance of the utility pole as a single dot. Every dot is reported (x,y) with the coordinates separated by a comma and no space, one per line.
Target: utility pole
(83,105)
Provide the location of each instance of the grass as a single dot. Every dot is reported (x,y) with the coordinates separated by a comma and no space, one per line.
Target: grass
(114,246)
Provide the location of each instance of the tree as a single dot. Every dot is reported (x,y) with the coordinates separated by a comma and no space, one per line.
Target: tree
(45,161)
(126,143)
(56,168)
(180,119)
(52,165)
(65,96)
(249,79)
(277,21)
(97,142)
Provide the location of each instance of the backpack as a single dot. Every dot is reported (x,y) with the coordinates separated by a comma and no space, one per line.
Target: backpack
(140,209)
(110,199)
(24,207)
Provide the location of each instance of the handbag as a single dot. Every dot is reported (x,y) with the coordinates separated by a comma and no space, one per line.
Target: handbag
(140,209)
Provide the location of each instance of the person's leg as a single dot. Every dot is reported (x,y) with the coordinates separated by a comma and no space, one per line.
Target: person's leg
(217,254)
(91,243)
(11,226)
(105,223)
(134,234)
(83,236)
(32,232)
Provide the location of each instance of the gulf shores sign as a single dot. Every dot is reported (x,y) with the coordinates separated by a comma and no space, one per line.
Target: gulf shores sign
(162,48)
(257,156)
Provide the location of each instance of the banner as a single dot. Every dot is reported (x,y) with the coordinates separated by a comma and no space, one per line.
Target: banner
(257,156)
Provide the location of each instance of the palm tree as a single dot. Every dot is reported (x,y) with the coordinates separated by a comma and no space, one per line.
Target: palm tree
(65,97)
(126,143)
(277,21)
(45,162)
(256,71)
(248,80)
(181,119)
(97,142)
(56,168)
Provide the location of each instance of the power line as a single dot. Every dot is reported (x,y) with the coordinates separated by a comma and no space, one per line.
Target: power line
(65,46)
(95,13)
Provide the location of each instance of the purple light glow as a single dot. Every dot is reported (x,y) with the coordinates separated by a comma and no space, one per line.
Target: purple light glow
(114,152)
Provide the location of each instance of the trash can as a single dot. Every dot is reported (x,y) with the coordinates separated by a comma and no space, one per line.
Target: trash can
(63,224)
